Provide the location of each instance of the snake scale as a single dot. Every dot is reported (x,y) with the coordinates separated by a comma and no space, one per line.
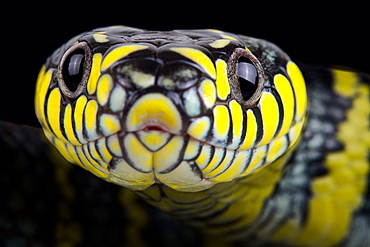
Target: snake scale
(207,138)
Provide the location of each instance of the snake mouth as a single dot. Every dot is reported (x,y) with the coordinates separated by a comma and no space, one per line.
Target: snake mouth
(153,128)
(154,124)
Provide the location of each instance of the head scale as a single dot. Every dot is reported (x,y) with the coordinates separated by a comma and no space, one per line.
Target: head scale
(186,108)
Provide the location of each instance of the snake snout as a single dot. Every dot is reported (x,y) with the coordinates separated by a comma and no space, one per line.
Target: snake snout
(154,112)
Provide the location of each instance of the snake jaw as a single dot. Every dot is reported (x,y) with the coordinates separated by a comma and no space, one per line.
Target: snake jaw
(143,160)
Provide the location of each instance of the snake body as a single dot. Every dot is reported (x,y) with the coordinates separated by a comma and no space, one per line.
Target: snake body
(222,131)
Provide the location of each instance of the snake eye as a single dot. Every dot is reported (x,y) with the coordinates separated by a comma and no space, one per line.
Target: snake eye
(74,69)
(247,77)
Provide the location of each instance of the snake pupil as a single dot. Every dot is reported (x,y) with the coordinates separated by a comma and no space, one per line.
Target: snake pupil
(73,69)
(247,74)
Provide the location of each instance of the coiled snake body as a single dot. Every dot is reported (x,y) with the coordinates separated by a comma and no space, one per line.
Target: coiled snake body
(222,131)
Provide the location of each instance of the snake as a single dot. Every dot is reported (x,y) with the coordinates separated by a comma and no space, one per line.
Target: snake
(188,138)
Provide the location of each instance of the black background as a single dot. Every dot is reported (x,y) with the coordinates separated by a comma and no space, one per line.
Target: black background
(307,32)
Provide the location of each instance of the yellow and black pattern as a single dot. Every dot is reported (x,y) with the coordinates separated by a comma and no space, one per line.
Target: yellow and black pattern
(140,101)
(216,129)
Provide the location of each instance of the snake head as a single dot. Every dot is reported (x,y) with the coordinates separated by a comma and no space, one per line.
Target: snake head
(184,108)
